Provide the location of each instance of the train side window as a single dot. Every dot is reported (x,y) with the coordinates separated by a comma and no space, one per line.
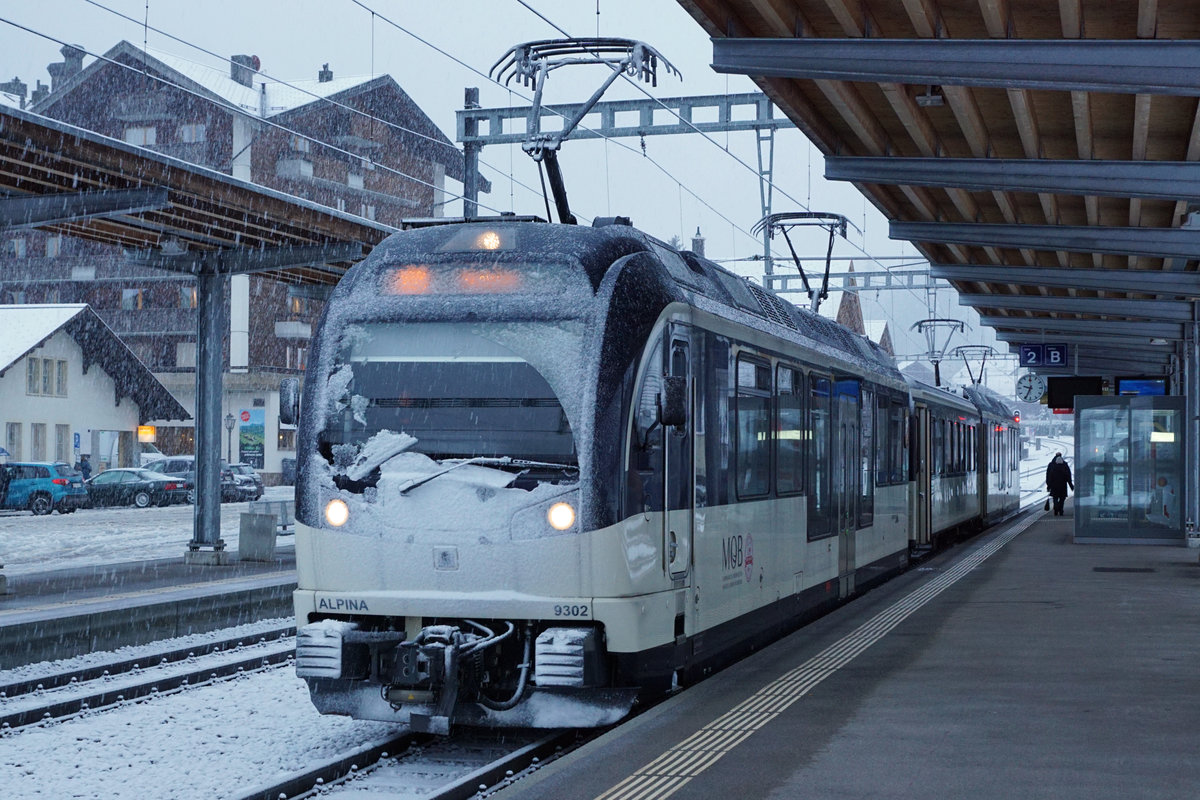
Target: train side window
(960,461)
(820,467)
(898,435)
(938,447)
(789,431)
(883,443)
(866,440)
(644,476)
(970,448)
(753,428)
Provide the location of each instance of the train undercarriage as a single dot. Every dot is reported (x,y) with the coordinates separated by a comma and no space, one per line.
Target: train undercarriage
(485,673)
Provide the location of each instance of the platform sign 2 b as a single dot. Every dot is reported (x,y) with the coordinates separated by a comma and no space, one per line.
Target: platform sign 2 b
(1043,355)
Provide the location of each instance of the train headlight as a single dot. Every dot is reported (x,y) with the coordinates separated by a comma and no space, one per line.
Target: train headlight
(561,516)
(337,512)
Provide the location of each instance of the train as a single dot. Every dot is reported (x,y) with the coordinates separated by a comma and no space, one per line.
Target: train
(546,472)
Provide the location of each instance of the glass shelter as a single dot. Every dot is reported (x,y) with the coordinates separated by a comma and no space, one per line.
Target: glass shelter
(1129,469)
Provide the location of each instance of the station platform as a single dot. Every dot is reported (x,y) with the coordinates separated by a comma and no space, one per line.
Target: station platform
(63,613)
(1015,665)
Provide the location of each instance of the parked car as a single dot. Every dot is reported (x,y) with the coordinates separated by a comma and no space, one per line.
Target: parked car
(185,467)
(250,483)
(42,487)
(138,487)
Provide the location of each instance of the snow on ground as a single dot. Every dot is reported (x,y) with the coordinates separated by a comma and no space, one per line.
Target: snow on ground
(92,536)
(214,741)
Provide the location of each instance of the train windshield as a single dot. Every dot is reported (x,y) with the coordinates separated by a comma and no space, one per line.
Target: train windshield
(462,389)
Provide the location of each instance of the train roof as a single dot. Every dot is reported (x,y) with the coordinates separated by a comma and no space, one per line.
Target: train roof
(596,248)
(943,394)
(989,402)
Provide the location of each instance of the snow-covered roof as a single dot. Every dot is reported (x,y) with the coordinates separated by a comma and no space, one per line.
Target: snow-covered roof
(266,98)
(280,97)
(27,326)
(11,100)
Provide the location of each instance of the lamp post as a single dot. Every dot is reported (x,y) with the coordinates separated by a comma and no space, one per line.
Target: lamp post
(229,420)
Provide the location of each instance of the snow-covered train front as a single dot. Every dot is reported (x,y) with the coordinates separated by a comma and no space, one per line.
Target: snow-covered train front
(545,470)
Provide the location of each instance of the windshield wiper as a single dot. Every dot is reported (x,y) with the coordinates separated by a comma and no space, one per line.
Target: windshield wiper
(484,461)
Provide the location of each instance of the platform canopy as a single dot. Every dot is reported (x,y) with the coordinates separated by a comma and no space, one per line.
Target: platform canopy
(167,213)
(1044,156)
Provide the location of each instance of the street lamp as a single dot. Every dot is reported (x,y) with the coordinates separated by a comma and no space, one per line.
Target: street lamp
(229,420)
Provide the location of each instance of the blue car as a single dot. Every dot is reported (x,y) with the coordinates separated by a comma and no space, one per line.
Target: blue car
(41,487)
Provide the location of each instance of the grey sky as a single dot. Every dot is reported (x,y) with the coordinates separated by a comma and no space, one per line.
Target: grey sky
(293,39)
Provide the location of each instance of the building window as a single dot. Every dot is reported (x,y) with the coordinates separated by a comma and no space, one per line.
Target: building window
(297,357)
(48,376)
(12,440)
(187,297)
(83,273)
(15,248)
(298,305)
(354,180)
(37,441)
(53,246)
(33,375)
(300,145)
(61,385)
(62,443)
(142,136)
(53,295)
(287,439)
(192,133)
(17,298)
(131,299)
(341,204)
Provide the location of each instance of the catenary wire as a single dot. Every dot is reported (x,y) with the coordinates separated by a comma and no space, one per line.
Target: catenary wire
(226,104)
(490,79)
(314,95)
(691,125)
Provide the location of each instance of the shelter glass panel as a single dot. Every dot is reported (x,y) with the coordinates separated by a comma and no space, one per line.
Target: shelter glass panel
(1130,468)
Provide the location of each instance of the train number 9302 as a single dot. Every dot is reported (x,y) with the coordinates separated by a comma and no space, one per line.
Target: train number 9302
(573,610)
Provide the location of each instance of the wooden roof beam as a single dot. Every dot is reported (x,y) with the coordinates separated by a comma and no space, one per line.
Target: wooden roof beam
(1070,13)
(997,18)
(1147,24)
(927,21)
(857,21)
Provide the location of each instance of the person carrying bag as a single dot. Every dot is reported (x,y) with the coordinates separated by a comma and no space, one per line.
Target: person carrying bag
(1058,478)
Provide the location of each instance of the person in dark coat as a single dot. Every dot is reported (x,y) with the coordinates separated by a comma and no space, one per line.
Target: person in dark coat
(84,466)
(1058,478)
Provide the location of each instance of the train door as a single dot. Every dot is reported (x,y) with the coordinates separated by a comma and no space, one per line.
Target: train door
(846,478)
(922,491)
(678,480)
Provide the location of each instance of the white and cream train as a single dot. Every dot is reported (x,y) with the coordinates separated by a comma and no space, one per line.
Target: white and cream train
(546,470)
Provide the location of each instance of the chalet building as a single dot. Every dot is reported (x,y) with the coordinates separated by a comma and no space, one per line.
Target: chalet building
(68,385)
(234,120)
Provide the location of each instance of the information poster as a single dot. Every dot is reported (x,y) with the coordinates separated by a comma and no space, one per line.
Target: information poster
(251,433)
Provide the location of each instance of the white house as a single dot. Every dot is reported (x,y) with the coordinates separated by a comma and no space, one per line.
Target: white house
(69,386)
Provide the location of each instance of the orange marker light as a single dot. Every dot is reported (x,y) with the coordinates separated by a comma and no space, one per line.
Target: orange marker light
(408,280)
(482,280)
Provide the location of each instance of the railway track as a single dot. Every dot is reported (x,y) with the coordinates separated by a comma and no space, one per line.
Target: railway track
(63,694)
(427,767)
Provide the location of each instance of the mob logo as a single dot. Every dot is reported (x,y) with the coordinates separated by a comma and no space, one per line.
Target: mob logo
(738,552)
